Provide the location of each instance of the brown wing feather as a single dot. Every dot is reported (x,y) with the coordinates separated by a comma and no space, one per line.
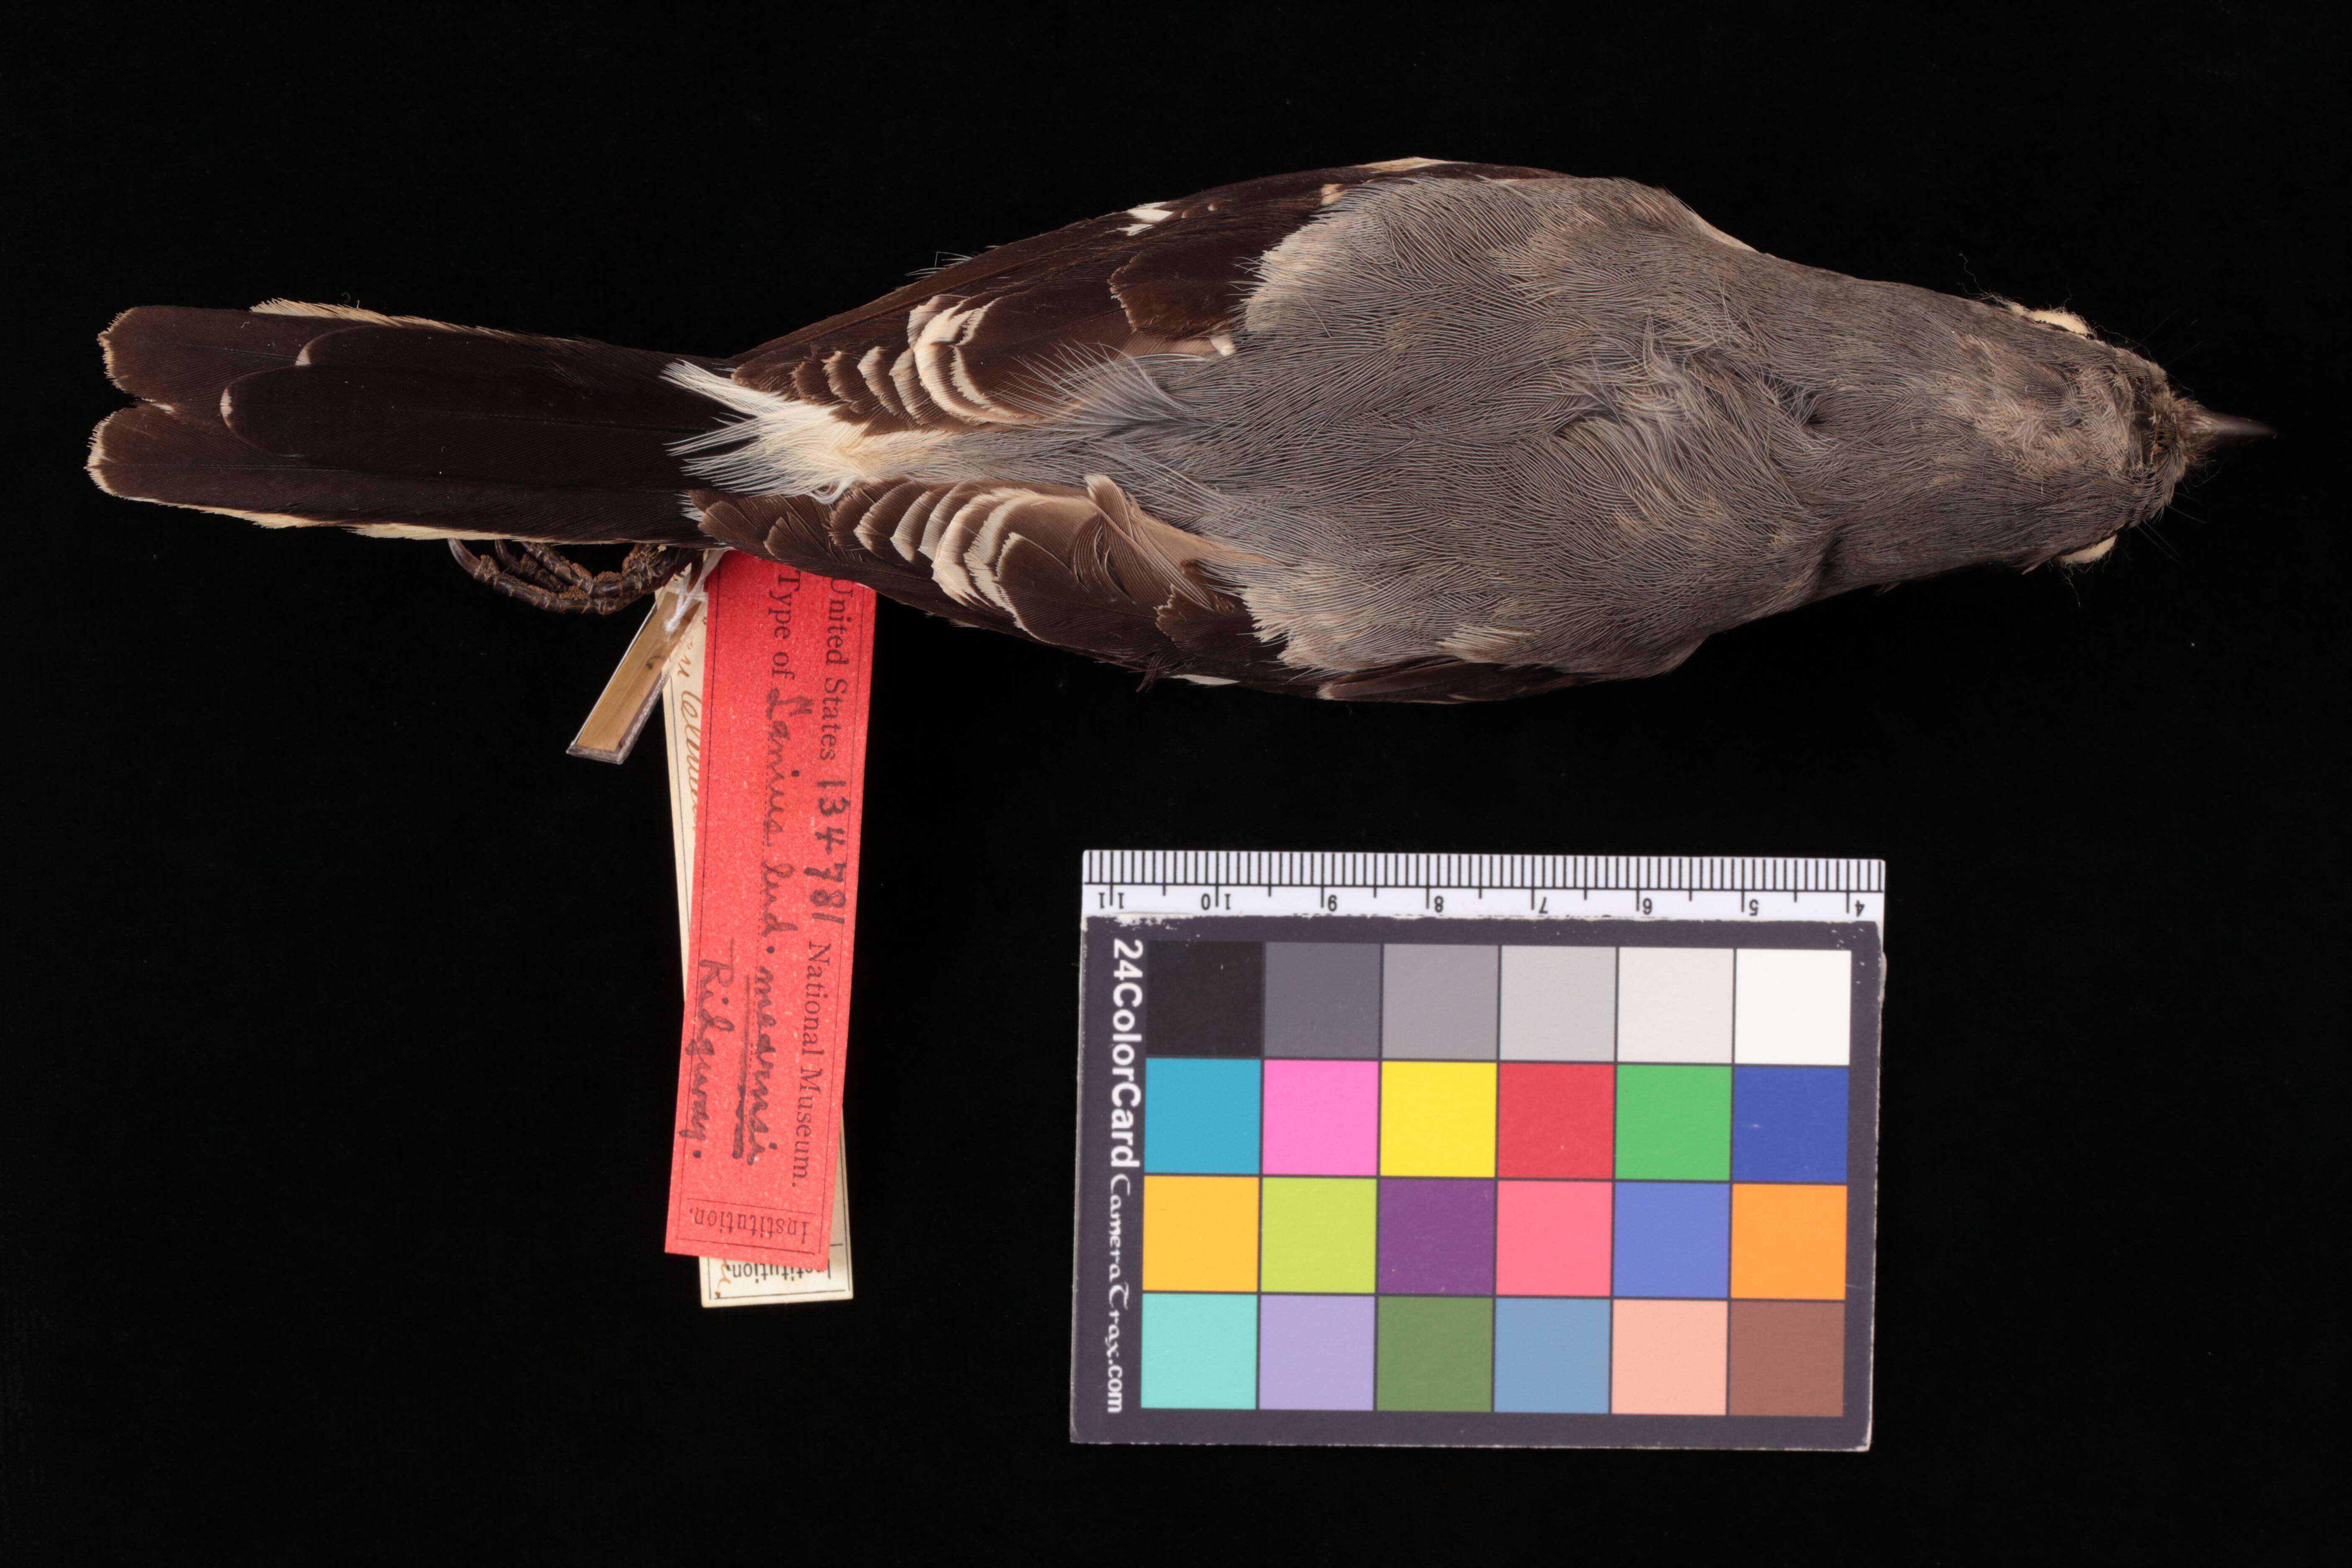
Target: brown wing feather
(1444,680)
(307,414)
(1082,570)
(1079,569)
(149,453)
(980,343)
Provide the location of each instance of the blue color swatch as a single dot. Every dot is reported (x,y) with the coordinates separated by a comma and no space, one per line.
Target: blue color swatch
(1200,1116)
(1673,1238)
(1788,1124)
(1551,1355)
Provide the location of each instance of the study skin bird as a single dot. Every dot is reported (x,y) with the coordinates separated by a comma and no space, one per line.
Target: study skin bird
(1416,430)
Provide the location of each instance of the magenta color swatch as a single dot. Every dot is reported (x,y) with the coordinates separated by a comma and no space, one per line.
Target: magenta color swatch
(1551,1238)
(1437,1236)
(1322,1118)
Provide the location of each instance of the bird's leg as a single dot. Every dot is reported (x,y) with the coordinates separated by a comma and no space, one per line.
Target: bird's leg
(649,566)
(545,578)
(527,568)
(561,567)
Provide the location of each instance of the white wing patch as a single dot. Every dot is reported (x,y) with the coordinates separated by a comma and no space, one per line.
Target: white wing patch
(2065,320)
(1718,235)
(939,365)
(1486,644)
(1145,216)
(781,446)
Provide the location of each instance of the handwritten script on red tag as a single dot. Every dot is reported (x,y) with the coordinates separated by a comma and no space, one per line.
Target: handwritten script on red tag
(785,692)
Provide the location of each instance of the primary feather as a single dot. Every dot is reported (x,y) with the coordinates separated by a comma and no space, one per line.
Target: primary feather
(1416,430)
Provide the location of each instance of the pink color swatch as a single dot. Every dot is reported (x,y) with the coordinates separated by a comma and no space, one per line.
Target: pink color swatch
(1322,1118)
(1669,1358)
(1551,1238)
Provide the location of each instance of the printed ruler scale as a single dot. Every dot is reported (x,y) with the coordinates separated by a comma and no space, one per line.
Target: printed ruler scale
(1468,887)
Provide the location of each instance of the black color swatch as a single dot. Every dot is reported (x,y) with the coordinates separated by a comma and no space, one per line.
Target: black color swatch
(1204,998)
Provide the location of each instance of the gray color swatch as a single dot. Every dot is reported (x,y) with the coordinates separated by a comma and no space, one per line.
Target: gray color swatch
(1560,1003)
(1438,1002)
(1322,999)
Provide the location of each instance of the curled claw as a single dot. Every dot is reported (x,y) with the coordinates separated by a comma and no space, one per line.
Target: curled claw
(545,578)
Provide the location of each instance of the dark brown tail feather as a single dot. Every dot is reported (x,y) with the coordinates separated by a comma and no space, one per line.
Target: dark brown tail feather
(310,414)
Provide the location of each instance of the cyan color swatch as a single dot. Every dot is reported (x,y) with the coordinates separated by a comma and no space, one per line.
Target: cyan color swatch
(1551,1355)
(1673,1238)
(1199,1353)
(1788,1124)
(1200,1116)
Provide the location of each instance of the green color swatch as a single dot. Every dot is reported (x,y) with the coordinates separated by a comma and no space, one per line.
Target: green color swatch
(1321,1235)
(1436,1352)
(1673,1124)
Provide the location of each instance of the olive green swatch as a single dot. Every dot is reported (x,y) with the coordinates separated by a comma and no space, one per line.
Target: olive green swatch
(1436,1352)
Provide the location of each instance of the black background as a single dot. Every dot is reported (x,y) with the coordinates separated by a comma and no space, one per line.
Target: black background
(341,1049)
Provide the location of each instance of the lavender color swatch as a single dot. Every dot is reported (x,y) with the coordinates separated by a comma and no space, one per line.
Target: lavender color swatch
(1315,1352)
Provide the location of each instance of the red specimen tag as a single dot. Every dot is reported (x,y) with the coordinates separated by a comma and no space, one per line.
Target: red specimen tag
(785,691)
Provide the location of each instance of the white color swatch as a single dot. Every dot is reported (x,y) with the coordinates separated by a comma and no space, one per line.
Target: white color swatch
(1795,1008)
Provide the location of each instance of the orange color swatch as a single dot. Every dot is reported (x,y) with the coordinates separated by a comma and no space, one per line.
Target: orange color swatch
(1200,1233)
(1788,1242)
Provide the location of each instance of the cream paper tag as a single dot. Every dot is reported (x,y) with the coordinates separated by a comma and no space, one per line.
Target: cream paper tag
(726,1282)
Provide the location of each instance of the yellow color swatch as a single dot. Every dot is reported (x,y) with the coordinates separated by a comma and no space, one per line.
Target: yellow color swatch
(1437,1118)
(1200,1233)
(1788,1243)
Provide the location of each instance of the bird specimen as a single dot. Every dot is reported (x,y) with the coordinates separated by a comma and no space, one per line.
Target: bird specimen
(1416,430)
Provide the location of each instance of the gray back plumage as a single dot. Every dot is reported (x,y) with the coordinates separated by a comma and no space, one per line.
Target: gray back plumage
(1566,423)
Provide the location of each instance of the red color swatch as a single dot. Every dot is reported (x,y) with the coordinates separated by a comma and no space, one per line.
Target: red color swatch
(785,690)
(1555,1119)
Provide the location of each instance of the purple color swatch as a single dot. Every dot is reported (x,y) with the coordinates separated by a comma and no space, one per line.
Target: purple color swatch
(1315,1352)
(1437,1236)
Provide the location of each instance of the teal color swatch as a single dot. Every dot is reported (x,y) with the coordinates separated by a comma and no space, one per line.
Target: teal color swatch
(1199,1353)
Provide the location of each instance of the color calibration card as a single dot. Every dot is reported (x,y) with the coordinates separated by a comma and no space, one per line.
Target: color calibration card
(1466,1172)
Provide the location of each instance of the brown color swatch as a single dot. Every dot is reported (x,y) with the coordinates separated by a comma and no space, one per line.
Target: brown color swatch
(1787,1358)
